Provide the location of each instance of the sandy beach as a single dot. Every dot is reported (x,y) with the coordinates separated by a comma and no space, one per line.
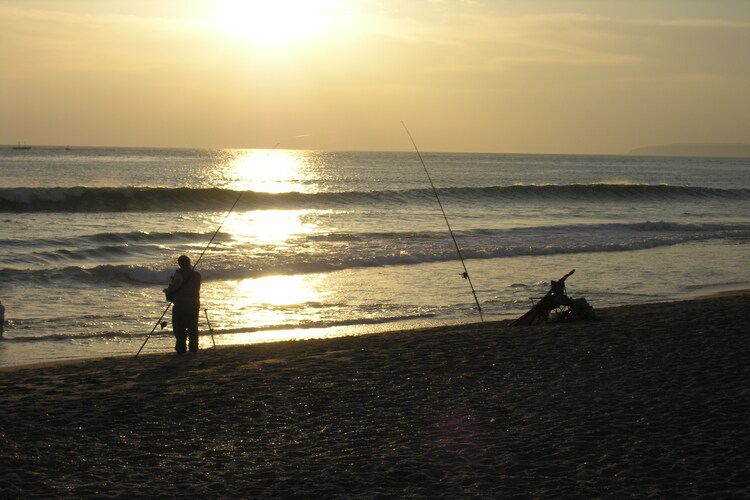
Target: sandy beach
(651,401)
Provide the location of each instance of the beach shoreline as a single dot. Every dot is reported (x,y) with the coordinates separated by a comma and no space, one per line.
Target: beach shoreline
(651,400)
(164,343)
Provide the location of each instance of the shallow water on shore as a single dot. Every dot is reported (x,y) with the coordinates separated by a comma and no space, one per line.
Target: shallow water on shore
(504,288)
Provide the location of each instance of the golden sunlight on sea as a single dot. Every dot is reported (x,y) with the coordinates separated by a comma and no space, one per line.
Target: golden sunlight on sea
(267,227)
(265,301)
(263,171)
(281,290)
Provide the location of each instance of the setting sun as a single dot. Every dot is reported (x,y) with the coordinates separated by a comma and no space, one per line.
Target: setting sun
(277,22)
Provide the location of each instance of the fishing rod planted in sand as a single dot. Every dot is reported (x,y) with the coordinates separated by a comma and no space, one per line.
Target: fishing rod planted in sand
(465,274)
(159,321)
(210,328)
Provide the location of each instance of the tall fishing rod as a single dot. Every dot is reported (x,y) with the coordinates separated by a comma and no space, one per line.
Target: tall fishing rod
(465,274)
(159,321)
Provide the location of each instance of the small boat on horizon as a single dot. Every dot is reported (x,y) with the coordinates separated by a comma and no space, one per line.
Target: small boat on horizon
(24,146)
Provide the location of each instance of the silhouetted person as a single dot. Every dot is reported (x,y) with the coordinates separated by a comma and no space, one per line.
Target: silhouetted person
(185,292)
(2,319)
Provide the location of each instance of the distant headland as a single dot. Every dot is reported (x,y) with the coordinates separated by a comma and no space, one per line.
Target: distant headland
(714,149)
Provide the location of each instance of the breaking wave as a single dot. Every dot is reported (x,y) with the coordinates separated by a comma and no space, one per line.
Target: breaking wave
(144,199)
(337,251)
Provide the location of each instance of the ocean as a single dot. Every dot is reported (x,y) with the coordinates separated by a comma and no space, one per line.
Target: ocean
(344,243)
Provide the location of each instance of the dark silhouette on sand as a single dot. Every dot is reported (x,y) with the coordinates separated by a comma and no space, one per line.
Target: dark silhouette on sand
(557,306)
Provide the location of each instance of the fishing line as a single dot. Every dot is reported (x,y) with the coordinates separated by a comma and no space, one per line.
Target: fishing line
(159,321)
(465,274)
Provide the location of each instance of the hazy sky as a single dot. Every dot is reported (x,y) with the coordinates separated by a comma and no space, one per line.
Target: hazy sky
(535,76)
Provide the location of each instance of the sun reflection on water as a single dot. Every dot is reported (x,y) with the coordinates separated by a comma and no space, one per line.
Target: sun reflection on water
(281,290)
(275,171)
(263,227)
(271,300)
(278,300)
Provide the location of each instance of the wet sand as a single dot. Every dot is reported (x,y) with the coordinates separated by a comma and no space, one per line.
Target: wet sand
(651,401)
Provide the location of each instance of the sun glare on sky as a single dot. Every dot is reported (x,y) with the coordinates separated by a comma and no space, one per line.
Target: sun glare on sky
(467,75)
(276,22)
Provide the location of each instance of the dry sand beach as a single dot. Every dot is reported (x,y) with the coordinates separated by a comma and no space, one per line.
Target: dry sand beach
(651,401)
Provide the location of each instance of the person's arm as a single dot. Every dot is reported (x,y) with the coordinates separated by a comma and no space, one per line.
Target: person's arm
(175,283)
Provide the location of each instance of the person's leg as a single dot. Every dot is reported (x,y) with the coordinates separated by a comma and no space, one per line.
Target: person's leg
(179,328)
(192,329)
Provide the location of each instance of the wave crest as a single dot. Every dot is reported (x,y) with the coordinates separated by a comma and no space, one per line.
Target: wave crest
(337,251)
(141,199)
